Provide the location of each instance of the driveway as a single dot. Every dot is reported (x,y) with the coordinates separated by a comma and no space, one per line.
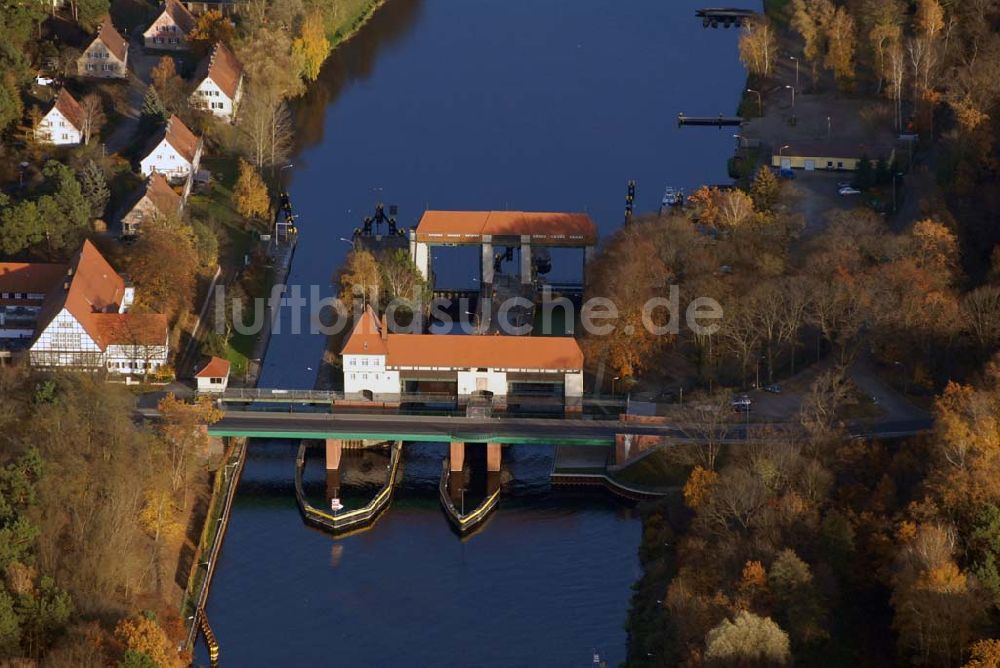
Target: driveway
(140,64)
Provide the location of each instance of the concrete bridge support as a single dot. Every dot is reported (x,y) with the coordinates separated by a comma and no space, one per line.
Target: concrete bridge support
(493,454)
(457,456)
(332,484)
(334,449)
(487,260)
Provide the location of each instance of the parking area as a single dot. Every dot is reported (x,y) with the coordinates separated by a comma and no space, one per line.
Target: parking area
(814,195)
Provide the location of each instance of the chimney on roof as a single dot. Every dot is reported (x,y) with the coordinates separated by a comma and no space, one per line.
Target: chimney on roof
(384,330)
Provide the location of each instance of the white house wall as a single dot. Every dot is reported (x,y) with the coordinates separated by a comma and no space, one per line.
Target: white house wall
(55,129)
(167,161)
(470,382)
(368,373)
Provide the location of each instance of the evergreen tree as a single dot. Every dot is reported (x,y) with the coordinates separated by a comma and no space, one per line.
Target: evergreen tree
(764,190)
(95,188)
(154,114)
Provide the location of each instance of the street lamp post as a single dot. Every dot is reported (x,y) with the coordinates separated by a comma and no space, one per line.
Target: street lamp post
(760,102)
(792,88)
(613,385)
(796,70)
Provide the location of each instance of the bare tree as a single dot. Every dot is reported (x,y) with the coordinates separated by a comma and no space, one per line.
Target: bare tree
(93,116)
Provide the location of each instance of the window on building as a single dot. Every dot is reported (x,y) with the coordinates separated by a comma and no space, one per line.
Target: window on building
(215,381)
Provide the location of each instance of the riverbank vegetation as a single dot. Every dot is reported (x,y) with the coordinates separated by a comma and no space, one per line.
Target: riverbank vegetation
(96,515)
(805,546)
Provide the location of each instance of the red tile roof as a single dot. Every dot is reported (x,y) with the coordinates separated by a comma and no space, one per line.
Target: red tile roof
(91,287)
(30,276)
(216,367)
(223,68)
(69,108)
(181,17)
(453,351)
(163,197)
(495,352)
(112,39)
(131,329)
(177,135)
(474,224)
(366,337)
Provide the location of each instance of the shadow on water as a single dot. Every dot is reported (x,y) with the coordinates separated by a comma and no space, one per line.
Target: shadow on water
(351,62)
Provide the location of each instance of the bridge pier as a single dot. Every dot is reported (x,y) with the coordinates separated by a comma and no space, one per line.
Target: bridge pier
(526,259)
(457,456)
(334,449)
(493,455)
(332,484)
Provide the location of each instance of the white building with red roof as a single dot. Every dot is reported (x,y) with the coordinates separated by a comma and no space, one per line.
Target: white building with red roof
(175,152)
(219,84)
(213,377)
(82,319)
(62,124)
(170,29)
(379,365)
(107,56)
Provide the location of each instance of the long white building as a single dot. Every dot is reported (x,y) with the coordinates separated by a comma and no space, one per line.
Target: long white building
(379,366)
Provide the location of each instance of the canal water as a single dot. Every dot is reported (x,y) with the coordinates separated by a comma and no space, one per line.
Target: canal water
(467,104)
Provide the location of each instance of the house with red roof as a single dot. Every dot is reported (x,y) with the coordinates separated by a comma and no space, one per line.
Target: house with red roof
(213,377)
(170,29)
(174,152)
(380,365)
(219,84)
(107,56)
(81,317)
(156,201)
(62,124)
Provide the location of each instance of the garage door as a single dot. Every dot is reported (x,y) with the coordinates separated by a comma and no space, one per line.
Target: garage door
(810,165)
(786,163)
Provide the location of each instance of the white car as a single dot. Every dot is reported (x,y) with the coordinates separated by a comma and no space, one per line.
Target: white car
(44,81)
(848,190)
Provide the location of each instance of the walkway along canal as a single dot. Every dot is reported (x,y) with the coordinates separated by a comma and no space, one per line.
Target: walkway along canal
(465,105)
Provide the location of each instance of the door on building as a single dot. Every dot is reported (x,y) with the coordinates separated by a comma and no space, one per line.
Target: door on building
(810,165)
(482,385)
(786,163)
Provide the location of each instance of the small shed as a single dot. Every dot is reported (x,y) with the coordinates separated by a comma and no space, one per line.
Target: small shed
(829,156)
(214,376)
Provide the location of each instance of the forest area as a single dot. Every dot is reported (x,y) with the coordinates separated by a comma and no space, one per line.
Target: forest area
(805,546)
(95,511)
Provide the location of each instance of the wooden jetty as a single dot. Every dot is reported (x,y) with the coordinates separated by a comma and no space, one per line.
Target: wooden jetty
(726,16)
(719,121)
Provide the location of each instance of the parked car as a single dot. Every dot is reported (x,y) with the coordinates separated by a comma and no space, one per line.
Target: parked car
(786,173)
(44,81)
(848,191)
(741,401)
(773,389)
(845,184)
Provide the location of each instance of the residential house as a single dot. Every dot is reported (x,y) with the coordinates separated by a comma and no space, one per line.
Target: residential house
(219,86)
(157,199)
(170,29)
(174,152)
(828,156)
(84,321)
(213,378)
(379,366)
(107,56)
(63,123)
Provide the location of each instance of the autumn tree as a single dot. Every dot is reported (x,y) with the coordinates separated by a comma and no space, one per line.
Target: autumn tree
(170,87)
(311,48)
(698,487)
(758,47)
(810,19)
(93,118)
(360,277)
(163,263)
(747,640)
(183,428)
(841,43)
(250,195)
(141,635)
(212,27)
(402,282)
(984,654)
(883,20)
(981,316)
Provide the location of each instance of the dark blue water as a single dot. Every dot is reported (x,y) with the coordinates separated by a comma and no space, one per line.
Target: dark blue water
(478,104)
